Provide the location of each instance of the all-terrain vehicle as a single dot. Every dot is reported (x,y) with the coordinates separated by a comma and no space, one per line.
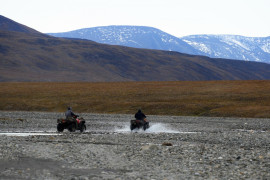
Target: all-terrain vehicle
(139,124)
(72,124)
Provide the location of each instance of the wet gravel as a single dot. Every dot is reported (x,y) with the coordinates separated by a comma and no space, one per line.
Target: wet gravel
(172,148)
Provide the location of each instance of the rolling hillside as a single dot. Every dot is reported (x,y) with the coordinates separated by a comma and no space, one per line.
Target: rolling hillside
(26,56)
(10,25)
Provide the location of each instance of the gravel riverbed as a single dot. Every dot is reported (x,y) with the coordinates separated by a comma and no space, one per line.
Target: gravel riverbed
(172,148)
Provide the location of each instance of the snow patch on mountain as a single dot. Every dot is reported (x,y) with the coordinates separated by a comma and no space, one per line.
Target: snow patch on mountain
(232,46)
(200,46)
(266,48)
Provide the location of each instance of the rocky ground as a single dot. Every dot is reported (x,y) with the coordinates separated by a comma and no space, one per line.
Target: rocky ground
(173,148)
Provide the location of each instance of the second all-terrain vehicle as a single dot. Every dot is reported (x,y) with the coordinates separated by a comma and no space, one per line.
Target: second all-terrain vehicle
(72,124)
(137,124)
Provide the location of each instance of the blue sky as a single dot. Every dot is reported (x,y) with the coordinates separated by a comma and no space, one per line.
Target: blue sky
(176,17)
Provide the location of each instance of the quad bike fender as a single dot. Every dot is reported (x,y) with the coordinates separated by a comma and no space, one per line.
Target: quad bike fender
(136,121)
(80,121)
(61,120)
(133,122)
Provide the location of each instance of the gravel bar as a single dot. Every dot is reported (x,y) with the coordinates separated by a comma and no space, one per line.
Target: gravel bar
(173,147)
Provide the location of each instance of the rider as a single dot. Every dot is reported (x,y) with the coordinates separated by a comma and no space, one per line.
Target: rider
(140,116)
(69,114)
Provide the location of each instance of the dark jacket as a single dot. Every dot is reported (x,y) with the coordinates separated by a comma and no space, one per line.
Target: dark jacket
(69,114)
(139,115)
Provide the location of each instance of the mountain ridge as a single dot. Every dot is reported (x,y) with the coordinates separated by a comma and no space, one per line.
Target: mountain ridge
(26,56)
(232,46)
(132,36)
(215,46)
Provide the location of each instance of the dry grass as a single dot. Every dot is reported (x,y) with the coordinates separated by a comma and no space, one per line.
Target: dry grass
(208,98)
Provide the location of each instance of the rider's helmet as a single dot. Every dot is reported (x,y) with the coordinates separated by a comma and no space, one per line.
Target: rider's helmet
(69,108)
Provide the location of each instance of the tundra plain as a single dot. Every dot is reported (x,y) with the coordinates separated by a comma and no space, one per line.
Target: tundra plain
(180,98)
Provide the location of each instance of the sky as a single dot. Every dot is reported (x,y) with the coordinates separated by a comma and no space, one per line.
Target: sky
(176,17)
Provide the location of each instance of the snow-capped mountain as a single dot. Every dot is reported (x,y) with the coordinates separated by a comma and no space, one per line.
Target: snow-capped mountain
(132,36)
(47,58)
(232,46)
(215,46)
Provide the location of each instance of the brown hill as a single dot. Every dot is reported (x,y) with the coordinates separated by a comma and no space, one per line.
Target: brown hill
(10,25)
(32,56)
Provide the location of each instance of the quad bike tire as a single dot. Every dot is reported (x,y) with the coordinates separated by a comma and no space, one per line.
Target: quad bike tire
(60,128)
(72,127)
(83,128)
(132,126)
(145,126)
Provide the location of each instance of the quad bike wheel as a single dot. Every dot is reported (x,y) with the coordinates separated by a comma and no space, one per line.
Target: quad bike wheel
(60,128)
(132,126)
(83,128)
(145,126)
(72,127)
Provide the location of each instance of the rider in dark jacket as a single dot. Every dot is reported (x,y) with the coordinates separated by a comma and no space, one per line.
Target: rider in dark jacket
(69,114)
(140,116)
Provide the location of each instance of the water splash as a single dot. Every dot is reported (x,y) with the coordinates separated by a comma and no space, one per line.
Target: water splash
(154,128)
(124,129)
(160,128)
